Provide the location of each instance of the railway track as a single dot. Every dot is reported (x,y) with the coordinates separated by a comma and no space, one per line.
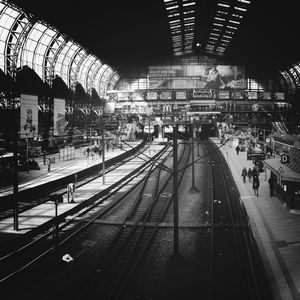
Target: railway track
(232,258)
(230,264)
(132,242)
(13,265)
(35,199)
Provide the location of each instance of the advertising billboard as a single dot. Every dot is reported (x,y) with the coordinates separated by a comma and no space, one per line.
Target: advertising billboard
(252,95)
(267,95)
(180,95)
(278,96)
(151,95)
(238,94)
(29,115)
(224,95)
(59,116)
(166,95)
(197,76)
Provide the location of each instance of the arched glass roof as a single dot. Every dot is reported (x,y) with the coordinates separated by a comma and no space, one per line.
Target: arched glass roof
(25,41)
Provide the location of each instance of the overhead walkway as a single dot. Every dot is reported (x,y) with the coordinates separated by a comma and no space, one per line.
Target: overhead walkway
(276,228)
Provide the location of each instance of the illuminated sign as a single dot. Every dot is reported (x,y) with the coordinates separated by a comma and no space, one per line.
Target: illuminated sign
(284,159)
(255,107)
(180,95)
(166,95)
(238,94)
(252,95)
(278,96)
(202,94)
(267,95)
(224,95)
(151,95)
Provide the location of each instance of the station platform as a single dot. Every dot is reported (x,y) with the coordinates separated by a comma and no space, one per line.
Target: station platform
(275,226)
(42,213)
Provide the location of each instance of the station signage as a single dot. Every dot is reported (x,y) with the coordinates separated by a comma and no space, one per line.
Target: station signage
(224,95)
(202,94)
(284,158)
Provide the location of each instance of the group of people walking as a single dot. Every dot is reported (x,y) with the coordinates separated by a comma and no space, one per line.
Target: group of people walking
(253,176)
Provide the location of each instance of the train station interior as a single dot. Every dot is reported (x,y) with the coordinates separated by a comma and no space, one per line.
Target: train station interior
(129,124)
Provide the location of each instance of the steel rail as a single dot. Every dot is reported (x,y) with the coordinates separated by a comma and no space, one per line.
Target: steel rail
(235,211)
(68,223)
(140,246)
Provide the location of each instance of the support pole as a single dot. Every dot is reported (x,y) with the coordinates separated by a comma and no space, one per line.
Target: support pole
(198,141)
(103,150)
(175,190)
(15,154)
(27,156)
(149,137)
(193,189)
(15,168)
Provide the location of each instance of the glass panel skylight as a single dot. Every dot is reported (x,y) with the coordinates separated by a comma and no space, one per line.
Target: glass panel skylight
(226,21)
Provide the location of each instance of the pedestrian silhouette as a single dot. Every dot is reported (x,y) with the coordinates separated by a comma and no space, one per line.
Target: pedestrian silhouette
(271,182)
(244,174)
(255,185)
(249,174)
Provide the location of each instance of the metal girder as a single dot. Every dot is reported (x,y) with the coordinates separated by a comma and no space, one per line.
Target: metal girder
(14,43)
(50,58)
(88,83)
(75,67)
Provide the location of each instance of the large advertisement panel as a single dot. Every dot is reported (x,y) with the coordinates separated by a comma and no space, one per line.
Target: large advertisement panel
(166,95)
(197,76)
(181,95)
(151,95)
(29,115)
(59,116)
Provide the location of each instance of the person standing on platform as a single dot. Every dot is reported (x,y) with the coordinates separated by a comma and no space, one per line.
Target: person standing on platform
(249,174)
(255,185)
(88,150)
(49,164)
(271,182)
(237,149)
(254,171)
(244,174)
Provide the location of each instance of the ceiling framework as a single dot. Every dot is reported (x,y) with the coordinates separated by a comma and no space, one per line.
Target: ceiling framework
(181,17)
(207,25)
(26,41)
